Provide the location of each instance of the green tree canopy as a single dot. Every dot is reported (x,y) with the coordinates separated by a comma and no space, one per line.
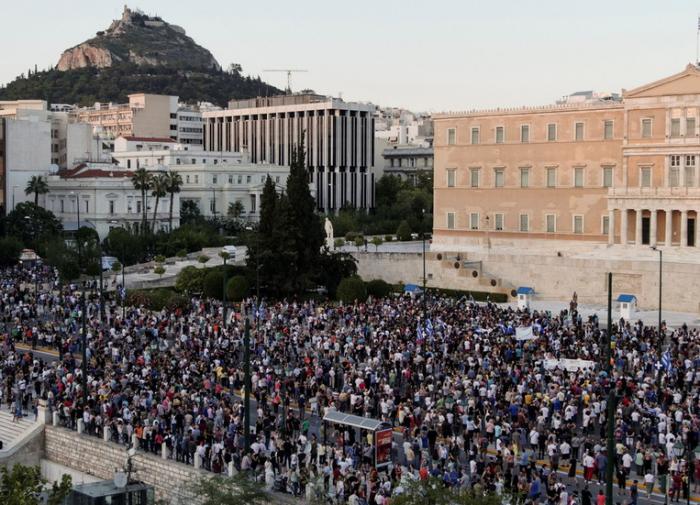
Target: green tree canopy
(32,224)
(236,490)
(22,485)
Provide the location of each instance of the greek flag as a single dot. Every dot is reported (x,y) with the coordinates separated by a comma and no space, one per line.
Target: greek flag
(429,328)
(123,292)
(419,332)
(666,361)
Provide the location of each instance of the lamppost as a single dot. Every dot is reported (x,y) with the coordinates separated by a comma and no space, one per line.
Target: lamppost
(224,256)
(611,407)
(257,263)
(661,256)
(679,450)
(422,225)
(246,383)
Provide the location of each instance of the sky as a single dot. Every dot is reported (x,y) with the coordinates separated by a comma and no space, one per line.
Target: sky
(431,56)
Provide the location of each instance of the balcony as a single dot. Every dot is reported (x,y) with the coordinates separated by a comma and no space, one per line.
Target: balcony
(657,192)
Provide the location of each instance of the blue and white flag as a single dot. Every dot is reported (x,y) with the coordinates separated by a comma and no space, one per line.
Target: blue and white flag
(419,332)
(666,361)
(429,327)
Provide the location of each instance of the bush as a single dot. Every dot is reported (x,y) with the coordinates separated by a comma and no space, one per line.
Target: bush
(388,238)
(213,284)
(403,232)
(379,288)
(351,289)
(339,242)
(190,279)
(159,270)
(350,236)
(160,259)
(376,242)
(237,288)
(182,253)
(203,258)
(359,241)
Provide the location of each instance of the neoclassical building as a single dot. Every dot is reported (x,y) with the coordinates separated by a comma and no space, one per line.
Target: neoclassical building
(615,170)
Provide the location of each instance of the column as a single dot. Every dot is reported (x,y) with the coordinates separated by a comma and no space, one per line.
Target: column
(684,228)
(611,227)
(638,228)
(623,226)
(697,228)
(652,228)
(669,228)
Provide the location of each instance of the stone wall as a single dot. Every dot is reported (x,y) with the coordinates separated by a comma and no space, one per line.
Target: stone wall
(553,277)
(96,457)
(27,451)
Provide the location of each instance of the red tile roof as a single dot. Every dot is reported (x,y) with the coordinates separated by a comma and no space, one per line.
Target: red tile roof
(149,139)
(83,172)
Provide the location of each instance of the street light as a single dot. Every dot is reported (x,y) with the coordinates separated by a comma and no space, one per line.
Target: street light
(661,255)
(257,264)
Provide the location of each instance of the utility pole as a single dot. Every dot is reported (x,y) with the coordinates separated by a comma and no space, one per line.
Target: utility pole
(246,382)
(609,498)
(224,256)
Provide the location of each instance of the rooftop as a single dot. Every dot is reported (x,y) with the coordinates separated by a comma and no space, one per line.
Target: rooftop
(161,140)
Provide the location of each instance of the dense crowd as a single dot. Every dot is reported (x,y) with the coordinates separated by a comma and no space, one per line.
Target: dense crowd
(470,402)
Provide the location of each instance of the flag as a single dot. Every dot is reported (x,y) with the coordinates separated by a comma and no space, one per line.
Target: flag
(666,361)
(429,327)
(419,332)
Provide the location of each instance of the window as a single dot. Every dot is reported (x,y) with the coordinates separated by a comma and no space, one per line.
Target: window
(578,131)
(138,206)
(214,179)
(111,206)
(689,171)
(690,127)
(499,222)
(498,177)
(645,177)
(178,161)
(212,206)
(500,135)
(525,133)
(578,177)
(578,224)
(675,127)
(277,178)
(87,206)
(196,179)
(230,179)
(551,177)
(551,222)
(475,135)
(474,177)
(450,220)
(608,129)
(247,179)
(524,177)
(451,177)
(646,128)
(62,206)
(474,221)
(240,179)
(690,161)
(451,136)
(187,179)
(551,132)
(605,228)
(524,222)
(607,177)
(128,163)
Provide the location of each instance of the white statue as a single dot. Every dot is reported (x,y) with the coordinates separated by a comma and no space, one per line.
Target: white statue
(330,243)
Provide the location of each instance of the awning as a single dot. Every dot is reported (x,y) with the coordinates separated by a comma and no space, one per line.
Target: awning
(364,423)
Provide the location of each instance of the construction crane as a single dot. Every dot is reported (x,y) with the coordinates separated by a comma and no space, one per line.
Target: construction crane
(288,71)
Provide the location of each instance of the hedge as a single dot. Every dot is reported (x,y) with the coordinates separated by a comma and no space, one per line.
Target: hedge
(351,289)
(379,288)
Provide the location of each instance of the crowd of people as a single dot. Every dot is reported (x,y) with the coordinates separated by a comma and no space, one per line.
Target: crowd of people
(479,395)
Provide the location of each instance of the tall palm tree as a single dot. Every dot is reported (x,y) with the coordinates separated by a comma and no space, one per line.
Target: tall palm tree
(38,186)
(173,184)
(160,189)
(142,181)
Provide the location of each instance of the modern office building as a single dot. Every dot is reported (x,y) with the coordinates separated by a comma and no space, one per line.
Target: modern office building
(596,168)
(339,142)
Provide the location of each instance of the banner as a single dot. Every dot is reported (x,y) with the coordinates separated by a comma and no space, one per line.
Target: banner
(524,333)
(570,365)
(382,443)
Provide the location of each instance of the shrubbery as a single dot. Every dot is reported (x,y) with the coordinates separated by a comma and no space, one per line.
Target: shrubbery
(237,288)
(379,288)
(351,289)
(403,232)
(213,284)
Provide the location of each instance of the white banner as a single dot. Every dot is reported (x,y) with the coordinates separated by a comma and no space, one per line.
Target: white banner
(524,333)
(570,365)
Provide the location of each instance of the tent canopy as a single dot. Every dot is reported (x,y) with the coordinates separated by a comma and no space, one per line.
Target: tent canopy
(364,423)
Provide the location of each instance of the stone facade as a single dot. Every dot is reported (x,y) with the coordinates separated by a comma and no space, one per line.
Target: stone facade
(99,458)
(554,277)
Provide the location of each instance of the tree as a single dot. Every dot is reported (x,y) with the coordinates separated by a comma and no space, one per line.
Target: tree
(142,181)
(203,258)
(125,245)
(236,209)
(334,267)
(22,485)
(189,212)
(159,270)
(378,288)
(159,188)
(37,185)
(376,242)
(173,184)
(359,242)
(32,224)
(433,491)
(237,288)
(236,490)
(403,232)
(190,279)
(10,249)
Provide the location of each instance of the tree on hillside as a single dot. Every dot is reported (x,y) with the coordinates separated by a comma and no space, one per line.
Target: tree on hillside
(37,185)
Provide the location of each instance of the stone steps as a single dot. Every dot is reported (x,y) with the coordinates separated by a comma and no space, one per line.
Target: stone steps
(10,431)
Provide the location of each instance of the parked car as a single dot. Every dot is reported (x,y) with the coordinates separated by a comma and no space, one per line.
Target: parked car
(231,250)
(107,262)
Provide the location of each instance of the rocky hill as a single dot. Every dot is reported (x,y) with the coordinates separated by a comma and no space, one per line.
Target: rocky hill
(139,39)
(137,53)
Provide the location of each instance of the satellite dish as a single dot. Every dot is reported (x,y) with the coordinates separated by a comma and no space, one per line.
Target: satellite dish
(120,479)
(53,168)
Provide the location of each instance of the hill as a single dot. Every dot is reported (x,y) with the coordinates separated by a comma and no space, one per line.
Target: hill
(140,39)
(137,53)
(85,86)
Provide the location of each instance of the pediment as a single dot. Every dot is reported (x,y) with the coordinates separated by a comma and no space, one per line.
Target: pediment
(683,83)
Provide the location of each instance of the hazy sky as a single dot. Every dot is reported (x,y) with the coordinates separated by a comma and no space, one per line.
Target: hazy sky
(423,55)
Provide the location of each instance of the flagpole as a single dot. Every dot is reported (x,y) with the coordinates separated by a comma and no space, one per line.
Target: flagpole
(697,43)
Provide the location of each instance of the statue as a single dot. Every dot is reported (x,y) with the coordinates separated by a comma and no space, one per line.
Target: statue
(328,226)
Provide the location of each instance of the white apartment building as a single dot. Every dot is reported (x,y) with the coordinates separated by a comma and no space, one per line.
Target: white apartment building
(214,188)
(136,152)
(339,142)
(101,196)
(189,127)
